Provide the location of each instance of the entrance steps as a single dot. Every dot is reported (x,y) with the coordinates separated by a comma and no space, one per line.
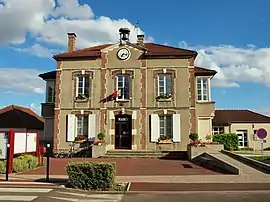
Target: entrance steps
(145,154)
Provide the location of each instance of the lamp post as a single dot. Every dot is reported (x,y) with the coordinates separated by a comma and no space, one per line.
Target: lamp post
(8,161)
(48,163)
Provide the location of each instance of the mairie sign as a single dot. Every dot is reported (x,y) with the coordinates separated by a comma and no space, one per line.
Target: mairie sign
(261,133)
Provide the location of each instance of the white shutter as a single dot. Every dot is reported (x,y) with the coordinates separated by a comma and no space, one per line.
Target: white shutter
(71,127)
(176,128)
(154,127)
(92,126)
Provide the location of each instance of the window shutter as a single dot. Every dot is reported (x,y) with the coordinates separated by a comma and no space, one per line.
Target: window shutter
(92,126)
(71,127)
(176,128)
(154,127)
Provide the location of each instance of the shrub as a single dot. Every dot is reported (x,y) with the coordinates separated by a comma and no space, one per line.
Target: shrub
(101,136)
(24,162)
(194,136)
(2,167)
(229,140)
(91,175)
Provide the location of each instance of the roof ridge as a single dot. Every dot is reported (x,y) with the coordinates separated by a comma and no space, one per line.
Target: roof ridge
(184,49)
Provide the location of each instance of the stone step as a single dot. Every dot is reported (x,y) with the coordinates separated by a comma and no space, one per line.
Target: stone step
(128,156)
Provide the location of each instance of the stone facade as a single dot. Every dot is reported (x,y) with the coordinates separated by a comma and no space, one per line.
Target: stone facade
(142,73)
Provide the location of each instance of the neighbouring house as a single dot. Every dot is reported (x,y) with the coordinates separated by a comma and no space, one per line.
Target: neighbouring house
(244,123)
(21,119)
(139,94)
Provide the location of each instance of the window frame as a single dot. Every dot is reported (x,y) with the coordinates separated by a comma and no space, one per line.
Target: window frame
(208,93)
(83,122)
(215,132)
(84,77)
(165,84)
(165,127)
(124,77)
(50,98)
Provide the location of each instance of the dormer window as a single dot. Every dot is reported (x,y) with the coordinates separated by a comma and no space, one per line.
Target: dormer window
(203,89)
(50,98)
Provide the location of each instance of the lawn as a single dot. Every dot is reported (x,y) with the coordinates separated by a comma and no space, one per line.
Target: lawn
(265,159)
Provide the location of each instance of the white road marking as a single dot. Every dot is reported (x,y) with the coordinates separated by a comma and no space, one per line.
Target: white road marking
(64,199)
(17,198)
(106,196)
(25,190)
(71,193)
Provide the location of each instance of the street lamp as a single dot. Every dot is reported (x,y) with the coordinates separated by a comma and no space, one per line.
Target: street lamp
(7,164)
(48,162)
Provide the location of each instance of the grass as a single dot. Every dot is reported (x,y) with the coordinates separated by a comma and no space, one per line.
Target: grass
(260,158)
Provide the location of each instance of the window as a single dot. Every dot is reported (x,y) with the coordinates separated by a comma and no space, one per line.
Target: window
(82,125)
(50,91)
(203,89)
(242,138)
(218,130)
(83,84)
(123,86)
(165,127)
(164,84)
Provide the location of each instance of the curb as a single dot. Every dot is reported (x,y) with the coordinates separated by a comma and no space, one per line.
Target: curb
(21,184)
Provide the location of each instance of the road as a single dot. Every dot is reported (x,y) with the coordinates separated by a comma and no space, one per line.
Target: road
(62,195)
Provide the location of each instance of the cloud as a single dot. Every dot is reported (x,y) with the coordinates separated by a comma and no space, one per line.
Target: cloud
(235,65)
(35,108)
(27,81)
(37,50)
(48,22)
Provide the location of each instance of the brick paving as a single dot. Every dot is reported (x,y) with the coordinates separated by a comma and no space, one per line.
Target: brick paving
(132,167)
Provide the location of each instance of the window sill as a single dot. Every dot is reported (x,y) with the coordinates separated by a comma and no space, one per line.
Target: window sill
(164,100)
(204,101)
(165,142)
(125,100)
(82,100)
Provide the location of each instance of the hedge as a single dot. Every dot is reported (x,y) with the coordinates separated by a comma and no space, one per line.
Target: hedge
(91,175)
(229,140)
(21,163)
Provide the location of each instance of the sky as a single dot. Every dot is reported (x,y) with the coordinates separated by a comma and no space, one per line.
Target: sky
(230,36)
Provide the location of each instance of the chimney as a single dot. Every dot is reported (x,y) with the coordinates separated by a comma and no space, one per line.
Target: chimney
(71,41)
(140,39)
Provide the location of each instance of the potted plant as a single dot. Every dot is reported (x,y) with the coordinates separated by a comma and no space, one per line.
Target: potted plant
(164,97)
(101,139)
(165,139)
(194,137)
(80,138)
(82,97)
(208,138)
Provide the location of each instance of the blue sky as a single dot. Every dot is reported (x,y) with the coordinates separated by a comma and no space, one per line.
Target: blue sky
(231,37)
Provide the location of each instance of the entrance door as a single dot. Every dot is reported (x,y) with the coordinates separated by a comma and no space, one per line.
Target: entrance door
(123,131)
(242,138)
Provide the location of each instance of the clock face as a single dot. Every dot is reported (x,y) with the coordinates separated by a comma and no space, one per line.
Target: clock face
(123,53)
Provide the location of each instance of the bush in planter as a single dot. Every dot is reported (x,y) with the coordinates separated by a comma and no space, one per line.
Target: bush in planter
(91,175)
(194,136)
(24,162)
(229,140)
(101,136)
(2,167)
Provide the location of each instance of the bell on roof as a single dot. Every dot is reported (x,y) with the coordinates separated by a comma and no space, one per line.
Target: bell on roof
(124,34)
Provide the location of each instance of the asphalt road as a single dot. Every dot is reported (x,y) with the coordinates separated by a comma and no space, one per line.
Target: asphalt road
(62,195)
(204,196)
